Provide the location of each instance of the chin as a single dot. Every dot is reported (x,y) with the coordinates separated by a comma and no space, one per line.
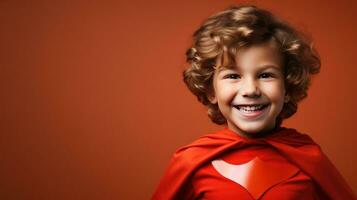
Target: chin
(251,129)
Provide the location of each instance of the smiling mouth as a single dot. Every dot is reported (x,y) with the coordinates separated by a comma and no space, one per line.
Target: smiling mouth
(251,108)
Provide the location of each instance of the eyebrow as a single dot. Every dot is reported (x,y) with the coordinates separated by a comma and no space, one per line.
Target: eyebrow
(262,67)
(221,68)
(268,66)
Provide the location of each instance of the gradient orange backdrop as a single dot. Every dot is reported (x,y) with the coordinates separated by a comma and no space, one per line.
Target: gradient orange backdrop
(93,104)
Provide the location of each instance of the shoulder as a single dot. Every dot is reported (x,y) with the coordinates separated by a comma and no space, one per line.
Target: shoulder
(294,137)
(298,145)
(195,147)
(204,147)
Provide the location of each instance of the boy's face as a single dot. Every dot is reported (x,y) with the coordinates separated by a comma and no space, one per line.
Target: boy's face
(257,80)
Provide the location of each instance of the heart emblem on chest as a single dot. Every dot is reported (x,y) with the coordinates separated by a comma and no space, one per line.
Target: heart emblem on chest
(256,176)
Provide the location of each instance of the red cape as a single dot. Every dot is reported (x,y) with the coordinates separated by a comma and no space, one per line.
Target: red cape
(298,148)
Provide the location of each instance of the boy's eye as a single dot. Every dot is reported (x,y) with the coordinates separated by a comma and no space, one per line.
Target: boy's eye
(232,76)
(266,75)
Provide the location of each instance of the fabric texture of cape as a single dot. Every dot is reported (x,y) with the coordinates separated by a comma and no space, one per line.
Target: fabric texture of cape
(297,148)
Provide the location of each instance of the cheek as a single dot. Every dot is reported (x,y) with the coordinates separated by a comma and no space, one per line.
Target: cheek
(225,92)
(276,90)
(277,94)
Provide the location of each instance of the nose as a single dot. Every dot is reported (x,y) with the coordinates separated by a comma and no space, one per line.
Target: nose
(250,88)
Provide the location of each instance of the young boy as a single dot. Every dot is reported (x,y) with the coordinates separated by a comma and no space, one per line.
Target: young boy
(251,69)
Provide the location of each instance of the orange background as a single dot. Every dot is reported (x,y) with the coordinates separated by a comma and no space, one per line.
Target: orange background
(92,99)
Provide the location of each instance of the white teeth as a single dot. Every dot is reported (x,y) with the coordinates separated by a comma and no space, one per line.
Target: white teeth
(250,108)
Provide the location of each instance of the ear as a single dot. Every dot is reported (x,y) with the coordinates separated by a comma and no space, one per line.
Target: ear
(286,98)
(212,98)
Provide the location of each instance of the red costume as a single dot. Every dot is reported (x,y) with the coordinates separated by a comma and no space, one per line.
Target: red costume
(223,165)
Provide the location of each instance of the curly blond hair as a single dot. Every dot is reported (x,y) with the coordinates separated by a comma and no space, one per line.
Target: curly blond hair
(224,33)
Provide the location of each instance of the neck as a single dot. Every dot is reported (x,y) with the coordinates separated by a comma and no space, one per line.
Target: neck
(261,134)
